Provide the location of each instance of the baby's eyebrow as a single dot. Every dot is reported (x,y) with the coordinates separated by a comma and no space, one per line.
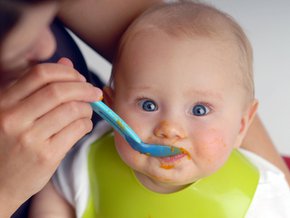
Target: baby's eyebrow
(205,93)
(133,90)
(139,87)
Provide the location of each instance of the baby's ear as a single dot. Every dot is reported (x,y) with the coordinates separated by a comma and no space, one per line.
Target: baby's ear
(108,96)
(246,120)
(251,112)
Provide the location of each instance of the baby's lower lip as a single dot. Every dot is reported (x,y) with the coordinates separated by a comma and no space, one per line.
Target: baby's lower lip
(173,158)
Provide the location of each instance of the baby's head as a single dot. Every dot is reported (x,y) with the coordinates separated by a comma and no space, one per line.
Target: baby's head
(183,77)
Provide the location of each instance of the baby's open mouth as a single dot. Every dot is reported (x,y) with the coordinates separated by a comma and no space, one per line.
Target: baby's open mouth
(174,158)
(169,162)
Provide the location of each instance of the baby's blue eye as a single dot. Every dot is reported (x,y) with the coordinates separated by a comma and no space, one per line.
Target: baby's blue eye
(148,105)
(200,110)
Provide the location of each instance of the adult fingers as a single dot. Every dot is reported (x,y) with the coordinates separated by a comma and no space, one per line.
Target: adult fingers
(48,98)
(68,136)
(22,117)
(36,78)
(59,118)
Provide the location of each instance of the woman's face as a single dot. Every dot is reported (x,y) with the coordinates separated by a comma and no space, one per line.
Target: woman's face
(29,41)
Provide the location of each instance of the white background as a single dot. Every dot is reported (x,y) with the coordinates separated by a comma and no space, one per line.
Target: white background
(267,24)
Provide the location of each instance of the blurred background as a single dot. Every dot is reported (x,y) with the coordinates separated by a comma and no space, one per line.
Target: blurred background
(267,24)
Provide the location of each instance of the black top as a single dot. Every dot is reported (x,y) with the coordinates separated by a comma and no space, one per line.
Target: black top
(66,47)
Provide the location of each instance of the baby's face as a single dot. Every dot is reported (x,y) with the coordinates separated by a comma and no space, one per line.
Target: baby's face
(178,92)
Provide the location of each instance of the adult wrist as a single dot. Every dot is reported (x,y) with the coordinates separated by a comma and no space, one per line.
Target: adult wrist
(8,204)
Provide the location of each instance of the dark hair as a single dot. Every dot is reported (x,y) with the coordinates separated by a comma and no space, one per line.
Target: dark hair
(10,13)
(9,16)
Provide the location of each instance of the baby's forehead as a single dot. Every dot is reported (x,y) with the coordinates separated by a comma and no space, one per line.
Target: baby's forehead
(188,20)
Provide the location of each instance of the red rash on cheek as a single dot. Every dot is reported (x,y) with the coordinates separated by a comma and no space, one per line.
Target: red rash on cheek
(210,145)
(211,139)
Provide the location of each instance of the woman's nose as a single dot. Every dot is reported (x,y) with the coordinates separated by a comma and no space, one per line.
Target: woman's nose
(169,130)
(44,46)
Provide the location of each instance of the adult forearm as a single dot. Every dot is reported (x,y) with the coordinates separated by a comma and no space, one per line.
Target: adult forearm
(104,21)
(258,141)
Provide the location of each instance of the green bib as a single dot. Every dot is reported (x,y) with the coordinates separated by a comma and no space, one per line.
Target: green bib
(115,192)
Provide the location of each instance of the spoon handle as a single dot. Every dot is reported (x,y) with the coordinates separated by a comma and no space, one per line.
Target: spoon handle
(117,122)
(132,138)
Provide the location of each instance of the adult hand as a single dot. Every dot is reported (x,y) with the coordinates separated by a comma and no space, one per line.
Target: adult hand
(42,115)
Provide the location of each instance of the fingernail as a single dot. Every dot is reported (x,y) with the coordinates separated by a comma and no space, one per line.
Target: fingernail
(100,94)
(82,78)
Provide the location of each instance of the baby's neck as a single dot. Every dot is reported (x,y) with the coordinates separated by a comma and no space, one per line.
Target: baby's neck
(155,186)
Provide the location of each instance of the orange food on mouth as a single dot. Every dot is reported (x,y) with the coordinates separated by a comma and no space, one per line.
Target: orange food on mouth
(166,166)
(185,152)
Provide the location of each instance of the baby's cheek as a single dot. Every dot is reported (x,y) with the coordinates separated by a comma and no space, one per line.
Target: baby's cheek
(122,147)
(127,154)
(212,149)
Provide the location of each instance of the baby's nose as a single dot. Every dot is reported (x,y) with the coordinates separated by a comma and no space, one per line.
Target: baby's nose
(169,130)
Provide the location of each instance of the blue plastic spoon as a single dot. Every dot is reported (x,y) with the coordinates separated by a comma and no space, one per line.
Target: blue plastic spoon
(131,137)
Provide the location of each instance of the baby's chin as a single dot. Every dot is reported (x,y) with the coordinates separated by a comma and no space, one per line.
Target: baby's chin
(164,182)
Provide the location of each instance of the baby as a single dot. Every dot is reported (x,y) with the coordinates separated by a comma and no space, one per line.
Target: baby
(182,77)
